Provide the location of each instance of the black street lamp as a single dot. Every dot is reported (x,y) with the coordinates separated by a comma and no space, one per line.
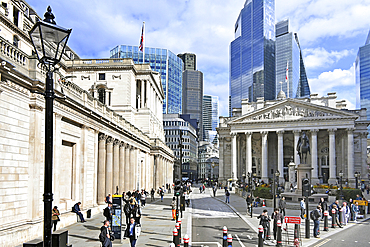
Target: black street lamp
(276,176)
(254,175)
(49,41)
(357,175)
(341,188)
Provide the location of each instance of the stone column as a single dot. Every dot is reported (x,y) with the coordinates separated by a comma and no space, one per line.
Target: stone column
(109,167)
(248,152)
(121,177)
(234,157)
(264,166)
(57,157)
(280,135)
(364,170)
(143,171)
(297,133)
(115,166)
(84,189)
(314,165)
(350,157)
(221,175)
(127,168)
(332,165)
(142,93)
(101,168)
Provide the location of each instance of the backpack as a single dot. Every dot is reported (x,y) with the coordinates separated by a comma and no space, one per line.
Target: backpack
(227,193)
(101,237)
(312,215)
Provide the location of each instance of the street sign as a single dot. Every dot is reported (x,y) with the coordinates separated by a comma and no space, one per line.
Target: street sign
(361,202)
(292,219)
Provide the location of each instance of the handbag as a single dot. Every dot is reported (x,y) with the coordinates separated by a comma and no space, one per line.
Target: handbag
(137,230)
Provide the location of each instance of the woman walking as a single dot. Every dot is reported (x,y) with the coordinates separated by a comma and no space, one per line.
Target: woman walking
(55,217)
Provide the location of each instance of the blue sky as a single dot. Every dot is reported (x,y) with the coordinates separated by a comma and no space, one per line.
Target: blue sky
(330,33)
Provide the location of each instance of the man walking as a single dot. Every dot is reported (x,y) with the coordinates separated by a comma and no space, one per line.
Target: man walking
(173,207)
(227,194)
(132,232)
(108,212)
(303,207)
(324,206)
(276,216)
(104,236)
(152,192)
(265,223)
(316,221)
(282,205)
(355,210)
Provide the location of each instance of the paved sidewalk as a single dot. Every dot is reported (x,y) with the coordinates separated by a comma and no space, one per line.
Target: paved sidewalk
(238,204)
(157,227)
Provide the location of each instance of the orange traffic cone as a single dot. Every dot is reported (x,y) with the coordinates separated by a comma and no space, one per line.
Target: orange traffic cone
(263,204)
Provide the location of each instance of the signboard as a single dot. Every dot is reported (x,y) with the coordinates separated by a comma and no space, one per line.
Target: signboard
(361,202)
(292,219)
(117,216)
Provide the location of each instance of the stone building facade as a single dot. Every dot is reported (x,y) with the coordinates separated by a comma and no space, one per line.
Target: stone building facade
(108,132)
(263,136)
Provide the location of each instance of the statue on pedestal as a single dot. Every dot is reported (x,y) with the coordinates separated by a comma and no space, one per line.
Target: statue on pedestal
(303,147)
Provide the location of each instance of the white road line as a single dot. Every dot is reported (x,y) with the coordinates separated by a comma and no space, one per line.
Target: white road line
(202,243)
(240,242)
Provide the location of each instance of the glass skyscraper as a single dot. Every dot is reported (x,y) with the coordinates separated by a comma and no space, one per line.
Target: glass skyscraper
(288,53)
(210,117)
(167,64)
(252,53)
(362,71)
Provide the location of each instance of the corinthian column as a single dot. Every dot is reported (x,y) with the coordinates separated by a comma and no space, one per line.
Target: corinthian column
(280,135)
(248,152)
(121,167)
(109,167)
(101,168)
(350,156)
(234,157)
(314,165)
(264,166)
(115,165)
(332,165)
(127,168)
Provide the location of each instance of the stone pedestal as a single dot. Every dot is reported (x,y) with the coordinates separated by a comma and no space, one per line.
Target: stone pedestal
(303,171)
(292,180)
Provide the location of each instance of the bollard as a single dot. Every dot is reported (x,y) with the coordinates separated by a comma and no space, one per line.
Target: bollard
(224,238)
(179,229)
(368,207)
(260,236)
(178,233)
(341,216)
(333,219)
(326,225)
(229,241)
(175,237)
(279,241)
(268,233)
(186,240)
(296,234)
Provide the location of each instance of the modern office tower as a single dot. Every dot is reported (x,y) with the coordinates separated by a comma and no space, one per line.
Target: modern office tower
(288,55)
(362,71)
(252,53)
(163,61)
(192,90)
(189,60)
(210,118)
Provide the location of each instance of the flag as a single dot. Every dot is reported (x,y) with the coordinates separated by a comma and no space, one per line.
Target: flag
(141,46)
(287,70)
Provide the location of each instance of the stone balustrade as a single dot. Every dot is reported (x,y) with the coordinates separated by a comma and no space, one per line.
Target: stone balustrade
(12,53)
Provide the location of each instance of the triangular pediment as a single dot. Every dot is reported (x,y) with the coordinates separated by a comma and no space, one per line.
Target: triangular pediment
(293,109)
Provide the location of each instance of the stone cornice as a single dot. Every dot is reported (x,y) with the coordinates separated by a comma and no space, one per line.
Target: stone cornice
(14,28)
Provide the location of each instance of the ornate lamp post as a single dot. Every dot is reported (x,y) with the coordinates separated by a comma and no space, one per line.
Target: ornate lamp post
(252,188)
(357,175)
(341,188)
(49,41)
(276,177)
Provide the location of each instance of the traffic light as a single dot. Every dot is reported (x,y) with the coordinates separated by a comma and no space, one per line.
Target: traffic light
(177,187)
(306,187)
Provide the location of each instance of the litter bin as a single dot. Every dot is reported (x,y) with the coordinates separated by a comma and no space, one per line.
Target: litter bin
(88,213)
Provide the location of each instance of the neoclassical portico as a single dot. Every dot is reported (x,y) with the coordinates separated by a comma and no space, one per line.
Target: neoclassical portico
(261,140)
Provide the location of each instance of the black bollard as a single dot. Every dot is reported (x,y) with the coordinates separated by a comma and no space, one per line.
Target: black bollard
(178,233)
(296,234)
(186,240)
(341,216)
(224,238)
(175,237)
(333,219)
(279,241)
(260,236)
(229,241)
(268,234)
(326,224)
(368,207)
(179,229)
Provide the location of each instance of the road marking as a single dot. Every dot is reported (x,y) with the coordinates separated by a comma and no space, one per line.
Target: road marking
(249,237)
(356,241)
(203,243)
(240,242)
(322,243)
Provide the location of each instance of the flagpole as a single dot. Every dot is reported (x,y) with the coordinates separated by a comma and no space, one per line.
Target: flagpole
(143,41)
(287,77)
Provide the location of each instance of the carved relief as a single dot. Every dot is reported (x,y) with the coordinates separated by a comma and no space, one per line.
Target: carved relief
(116,77)
(85,77)
(228,147)
(102,137)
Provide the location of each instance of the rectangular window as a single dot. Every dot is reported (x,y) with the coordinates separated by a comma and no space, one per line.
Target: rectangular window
(101,76)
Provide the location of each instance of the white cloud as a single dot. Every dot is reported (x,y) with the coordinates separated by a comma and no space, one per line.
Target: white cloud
(319,57)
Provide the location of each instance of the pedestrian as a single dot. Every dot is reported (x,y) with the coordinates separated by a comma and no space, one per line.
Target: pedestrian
(152,192)
(136,214)
(138,197)
(282,205)
(127,211)
(227,194)
(265,223)
(276,215)
(303,207)
(55,217)
(105,236)
(132,232)
(107,199)
(257,201)
(324,206)
(316,221)
(161,193)
(355,210)
(249,200)
(173,207)
(346,213)
(76,209)
(108,211)
(187,199)
(214,190)
(143,198)
(200,189)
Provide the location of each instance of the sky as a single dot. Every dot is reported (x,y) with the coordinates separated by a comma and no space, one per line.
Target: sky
(330,33)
